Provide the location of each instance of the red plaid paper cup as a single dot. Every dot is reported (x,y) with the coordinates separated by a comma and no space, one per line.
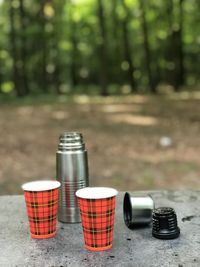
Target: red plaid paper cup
(97,208)
(42,205)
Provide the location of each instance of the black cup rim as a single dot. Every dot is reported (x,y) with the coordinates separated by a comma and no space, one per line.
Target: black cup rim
(127,210)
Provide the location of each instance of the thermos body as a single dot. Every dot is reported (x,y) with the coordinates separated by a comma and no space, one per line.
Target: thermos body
(72,173)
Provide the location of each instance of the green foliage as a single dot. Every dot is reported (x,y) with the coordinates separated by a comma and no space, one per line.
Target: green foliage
(60,46)
(7,87)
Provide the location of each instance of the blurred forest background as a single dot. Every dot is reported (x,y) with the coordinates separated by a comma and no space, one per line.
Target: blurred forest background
(58,46)
(125,73)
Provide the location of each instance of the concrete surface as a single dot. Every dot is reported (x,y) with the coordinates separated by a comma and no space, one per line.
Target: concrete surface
(130,247)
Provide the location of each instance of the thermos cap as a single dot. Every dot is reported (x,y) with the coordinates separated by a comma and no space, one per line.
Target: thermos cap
(137,209)
(165,223)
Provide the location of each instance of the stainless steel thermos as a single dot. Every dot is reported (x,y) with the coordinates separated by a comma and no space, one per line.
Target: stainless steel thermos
(72,173)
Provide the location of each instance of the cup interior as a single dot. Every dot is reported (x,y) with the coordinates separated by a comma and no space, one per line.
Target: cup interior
(96,192)
(38,186)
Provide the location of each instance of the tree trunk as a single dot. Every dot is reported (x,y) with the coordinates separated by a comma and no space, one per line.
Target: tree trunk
(1,79)
(103,51)
(181,53)
(74,55)
(116,51)
(146,46)
(74,44)
(170,53)
(127,49)
(14,52)
(43,48)
(169,9)
(56,37)
(175,47)
(23,48)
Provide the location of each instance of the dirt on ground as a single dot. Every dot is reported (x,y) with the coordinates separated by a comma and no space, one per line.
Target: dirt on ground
(125,138)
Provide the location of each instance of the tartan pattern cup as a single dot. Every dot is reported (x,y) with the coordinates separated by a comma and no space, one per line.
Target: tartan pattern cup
(42,207)
(97,217)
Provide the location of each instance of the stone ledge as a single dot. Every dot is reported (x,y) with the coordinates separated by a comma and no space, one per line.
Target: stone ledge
(130,248)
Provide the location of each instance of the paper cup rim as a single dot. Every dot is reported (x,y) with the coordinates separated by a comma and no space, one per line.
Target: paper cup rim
(42,185)
(96,192)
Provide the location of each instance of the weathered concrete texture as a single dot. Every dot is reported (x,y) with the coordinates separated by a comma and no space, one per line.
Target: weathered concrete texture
(130,248)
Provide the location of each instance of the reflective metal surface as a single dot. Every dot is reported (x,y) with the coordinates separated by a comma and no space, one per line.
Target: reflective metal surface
(137,209)
(72,172)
